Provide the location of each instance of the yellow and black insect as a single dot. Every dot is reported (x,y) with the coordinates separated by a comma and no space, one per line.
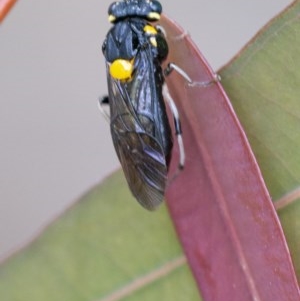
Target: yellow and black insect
(134,50)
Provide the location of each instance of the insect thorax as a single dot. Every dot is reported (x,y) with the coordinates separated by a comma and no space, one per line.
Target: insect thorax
(131,35)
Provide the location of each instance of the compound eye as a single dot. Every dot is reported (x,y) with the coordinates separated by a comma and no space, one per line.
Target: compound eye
(156,10)
(121,69)
(156,7)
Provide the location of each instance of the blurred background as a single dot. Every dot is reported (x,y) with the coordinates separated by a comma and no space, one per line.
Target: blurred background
(55,144)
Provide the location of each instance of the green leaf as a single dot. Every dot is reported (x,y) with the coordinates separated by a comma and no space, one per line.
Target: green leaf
(99,246)
(263,83)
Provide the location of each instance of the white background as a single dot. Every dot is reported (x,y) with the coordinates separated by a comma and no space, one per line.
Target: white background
(54,143)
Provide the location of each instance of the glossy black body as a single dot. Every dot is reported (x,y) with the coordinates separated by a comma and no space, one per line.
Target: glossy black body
(139,125)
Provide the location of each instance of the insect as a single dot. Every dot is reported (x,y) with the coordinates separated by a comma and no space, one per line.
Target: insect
(134,50)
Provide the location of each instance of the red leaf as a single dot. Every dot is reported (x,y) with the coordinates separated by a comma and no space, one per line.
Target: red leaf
(219,204)
(5,6)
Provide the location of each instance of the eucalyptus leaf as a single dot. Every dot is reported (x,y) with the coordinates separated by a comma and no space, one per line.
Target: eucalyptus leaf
(263,83)
(98,247)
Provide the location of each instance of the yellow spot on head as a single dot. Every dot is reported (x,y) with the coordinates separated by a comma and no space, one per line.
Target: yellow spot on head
(111,18)
(121,69)
(153,16)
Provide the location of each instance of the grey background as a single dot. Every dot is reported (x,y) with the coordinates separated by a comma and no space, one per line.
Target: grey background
(55,145)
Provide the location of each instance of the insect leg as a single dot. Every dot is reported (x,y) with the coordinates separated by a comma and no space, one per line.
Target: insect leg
(171,67)
(177,124)
(104,101)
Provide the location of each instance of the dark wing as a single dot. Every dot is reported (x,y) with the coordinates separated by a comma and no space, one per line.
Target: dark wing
(140,130)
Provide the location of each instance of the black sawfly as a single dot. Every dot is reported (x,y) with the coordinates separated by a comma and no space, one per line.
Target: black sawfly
(134,50)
